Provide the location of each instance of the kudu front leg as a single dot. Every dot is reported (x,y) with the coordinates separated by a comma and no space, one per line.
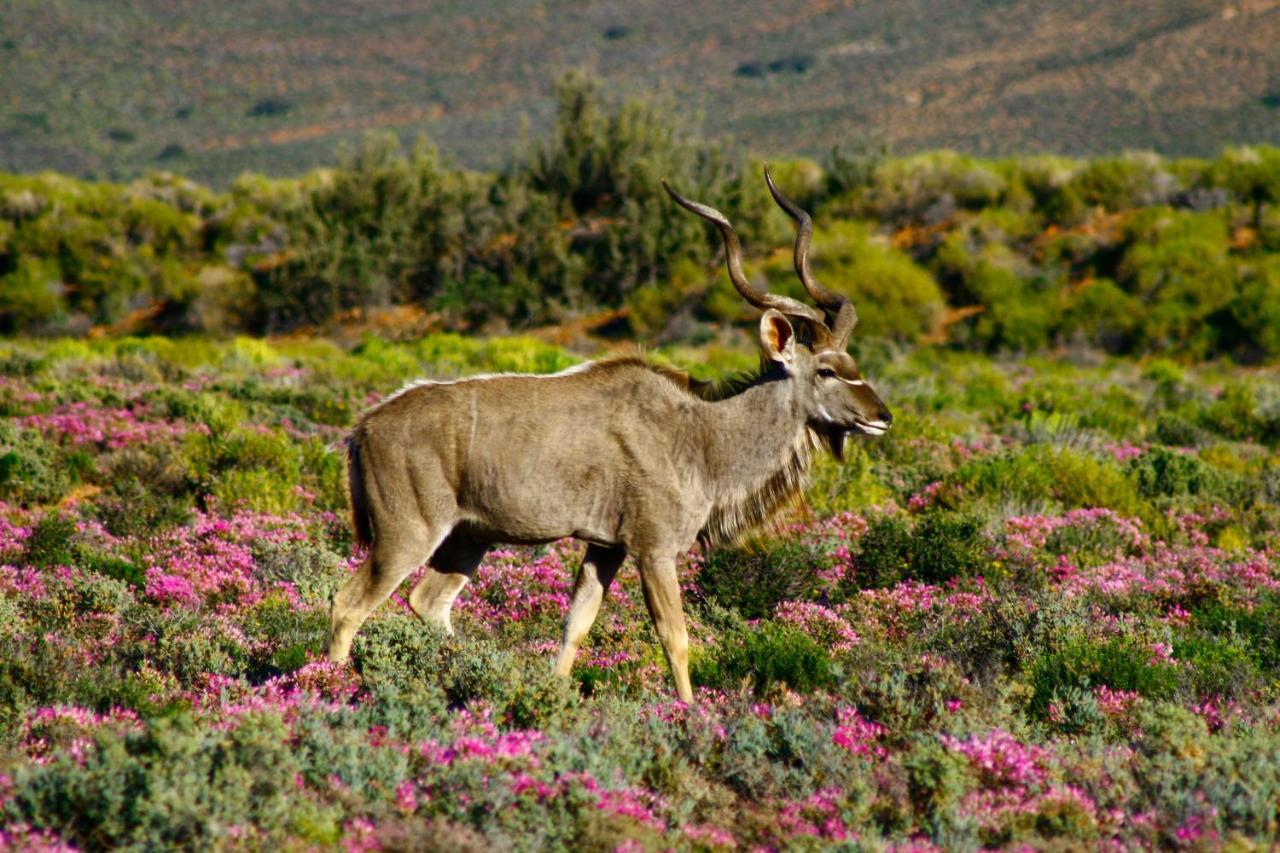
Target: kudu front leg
(599,567)
(662,593)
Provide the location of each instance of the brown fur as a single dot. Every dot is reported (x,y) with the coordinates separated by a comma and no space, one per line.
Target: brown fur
(631,457)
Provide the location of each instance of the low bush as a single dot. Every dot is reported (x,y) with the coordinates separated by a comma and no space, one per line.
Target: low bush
(1079,664)
(766,654)
(938,547)
(754,580)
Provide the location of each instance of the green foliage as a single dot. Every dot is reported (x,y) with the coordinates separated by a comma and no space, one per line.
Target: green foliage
(603,166)
(1251,173)
(1255,625)
(1254,329)
(1177,264)
(766,655)
(1161,472)
(1043,474)
(1128,254)
(937,547)
(1079,663)
(50,541)
(932,184)
(753,581)
(174,785)
(1123,183)
(895,297)
(30,296)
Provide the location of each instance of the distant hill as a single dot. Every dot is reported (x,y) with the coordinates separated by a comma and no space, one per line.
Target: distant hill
(212,89)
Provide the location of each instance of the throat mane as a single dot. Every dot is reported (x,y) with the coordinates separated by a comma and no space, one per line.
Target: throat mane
(751,507)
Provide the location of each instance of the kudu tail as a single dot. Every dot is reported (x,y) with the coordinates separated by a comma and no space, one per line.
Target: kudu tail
(360,519)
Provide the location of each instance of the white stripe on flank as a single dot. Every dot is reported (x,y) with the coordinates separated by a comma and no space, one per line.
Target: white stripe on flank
(582,367)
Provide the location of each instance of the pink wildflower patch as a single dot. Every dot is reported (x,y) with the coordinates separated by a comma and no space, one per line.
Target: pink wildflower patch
(509,588)
(817,816)
(88,423)
(21,836)
(706,835)
(1001,759)
(856,735)
(1115,704)
(821,623)
(359,835)
(171,589)
(51,731)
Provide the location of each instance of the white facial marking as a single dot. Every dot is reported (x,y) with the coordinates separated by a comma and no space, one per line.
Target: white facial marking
(826,416)
(856,383)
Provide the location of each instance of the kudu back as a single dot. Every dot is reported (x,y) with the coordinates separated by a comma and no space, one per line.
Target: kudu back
(622,454)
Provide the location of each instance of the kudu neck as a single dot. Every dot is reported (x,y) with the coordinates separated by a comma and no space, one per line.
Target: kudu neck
(755,431)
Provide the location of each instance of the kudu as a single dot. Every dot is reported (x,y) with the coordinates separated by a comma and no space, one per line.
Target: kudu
(622,454)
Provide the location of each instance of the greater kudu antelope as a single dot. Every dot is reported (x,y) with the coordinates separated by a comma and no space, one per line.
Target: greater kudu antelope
(619,453)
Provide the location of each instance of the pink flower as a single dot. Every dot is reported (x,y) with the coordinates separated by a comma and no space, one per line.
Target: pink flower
(1161,653)
(406,797)
(358,836)
(1115,703)
(709,836)
(821,623)
(171,589)
(857,735)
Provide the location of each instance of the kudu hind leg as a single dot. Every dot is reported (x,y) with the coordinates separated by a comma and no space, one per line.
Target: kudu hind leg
(452,565)
(388,564)
(661,587)
(599,566)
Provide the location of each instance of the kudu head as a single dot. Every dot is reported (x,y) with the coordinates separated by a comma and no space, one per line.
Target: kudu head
(806,346)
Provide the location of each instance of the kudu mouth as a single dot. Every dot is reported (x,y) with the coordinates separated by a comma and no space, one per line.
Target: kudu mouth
(873,427)
(834,435)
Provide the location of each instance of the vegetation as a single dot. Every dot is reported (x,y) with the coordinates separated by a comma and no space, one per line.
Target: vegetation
(1040,611)
(1128,255)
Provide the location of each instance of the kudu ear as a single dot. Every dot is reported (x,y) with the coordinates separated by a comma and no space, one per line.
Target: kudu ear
(778,337)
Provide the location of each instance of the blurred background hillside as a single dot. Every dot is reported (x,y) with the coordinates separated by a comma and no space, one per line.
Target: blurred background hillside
(112,90)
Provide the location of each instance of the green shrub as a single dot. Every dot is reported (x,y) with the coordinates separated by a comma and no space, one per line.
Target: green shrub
(939,546)
(1101,313)
(1251,173)
(1177,264)
(1121,183)
(50,542)
(895,297)
(30,469)
(1164,473)
(1043,474)
(399,652)
(1217,667)
(1174,429)
(1081,663)
(1255,625)
(1253,333)
(907,189)
(752,581)
(31,296)
(1238,413)
(766,654)
(171,785)
(1017,310)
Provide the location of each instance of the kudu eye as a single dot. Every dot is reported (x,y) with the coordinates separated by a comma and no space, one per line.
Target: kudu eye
(826,373)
